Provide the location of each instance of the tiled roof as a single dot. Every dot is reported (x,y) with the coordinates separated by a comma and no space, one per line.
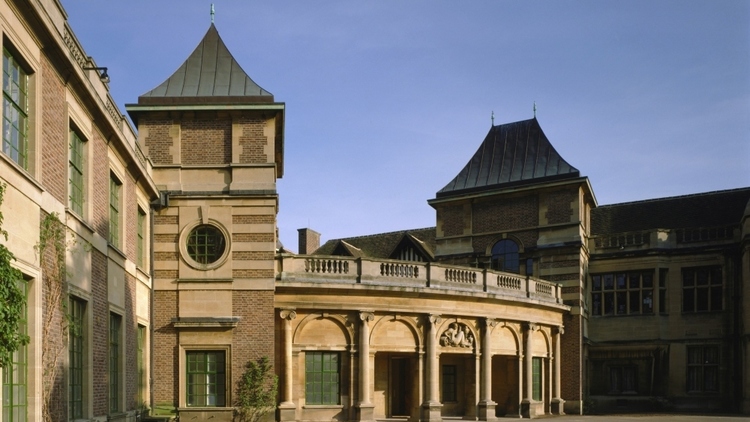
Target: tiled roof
(511,154)
(379,246)
(209,75)
(709,209)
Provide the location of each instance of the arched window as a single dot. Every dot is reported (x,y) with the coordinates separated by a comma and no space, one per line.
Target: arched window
(505,256)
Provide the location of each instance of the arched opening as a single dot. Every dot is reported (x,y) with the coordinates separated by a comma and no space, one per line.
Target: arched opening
(505,256)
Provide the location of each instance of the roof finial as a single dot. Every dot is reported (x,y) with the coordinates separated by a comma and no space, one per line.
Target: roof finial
(535,109)
(493,117)
(212,13)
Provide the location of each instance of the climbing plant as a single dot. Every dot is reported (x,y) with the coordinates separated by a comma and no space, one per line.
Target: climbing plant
(256,395)
(51,249)
(12,299)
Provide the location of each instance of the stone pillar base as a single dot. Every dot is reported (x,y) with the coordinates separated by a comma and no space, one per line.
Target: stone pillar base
(431,411)
(558,406)
(287,411)
(531,409)
(573,407)
(486,410)
(365,412)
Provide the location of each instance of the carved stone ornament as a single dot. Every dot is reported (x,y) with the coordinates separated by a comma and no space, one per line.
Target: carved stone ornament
(457,335)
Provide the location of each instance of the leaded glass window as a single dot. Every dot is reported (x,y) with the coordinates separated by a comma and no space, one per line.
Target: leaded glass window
(75,174)
(322,377)
(15,109)
(206,378)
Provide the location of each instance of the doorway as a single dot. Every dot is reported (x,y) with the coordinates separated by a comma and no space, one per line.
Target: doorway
(400,386)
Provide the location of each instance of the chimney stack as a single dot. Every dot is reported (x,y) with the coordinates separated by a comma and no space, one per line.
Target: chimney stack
(309,241)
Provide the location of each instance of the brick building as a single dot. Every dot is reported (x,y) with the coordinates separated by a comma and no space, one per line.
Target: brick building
(526,298)
(75,179)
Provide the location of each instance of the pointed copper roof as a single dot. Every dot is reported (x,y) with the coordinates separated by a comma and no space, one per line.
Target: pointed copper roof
(210,75)
(511,154)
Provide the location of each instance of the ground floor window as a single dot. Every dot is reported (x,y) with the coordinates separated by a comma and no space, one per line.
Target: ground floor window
(322,377)
(536,379)
(76,350)
(206,378)
(622,379)
(15,378)
(703,369)
(449,383)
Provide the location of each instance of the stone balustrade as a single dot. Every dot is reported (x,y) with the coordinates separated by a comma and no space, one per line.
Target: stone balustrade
(407,274)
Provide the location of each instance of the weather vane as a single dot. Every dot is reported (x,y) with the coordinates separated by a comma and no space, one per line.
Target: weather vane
(493,117)
(535,109)
(212,13)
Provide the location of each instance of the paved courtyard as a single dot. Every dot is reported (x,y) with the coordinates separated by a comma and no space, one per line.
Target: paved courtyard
(648,418)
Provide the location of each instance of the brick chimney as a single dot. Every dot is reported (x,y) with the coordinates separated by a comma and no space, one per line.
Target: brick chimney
(309,241)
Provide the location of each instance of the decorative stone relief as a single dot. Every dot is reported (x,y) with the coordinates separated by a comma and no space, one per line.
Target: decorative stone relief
(457,335)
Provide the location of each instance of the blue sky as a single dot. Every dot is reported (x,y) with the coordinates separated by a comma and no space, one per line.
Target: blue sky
(387,100)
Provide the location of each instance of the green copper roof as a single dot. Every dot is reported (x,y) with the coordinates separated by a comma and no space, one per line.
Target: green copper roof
(512,154)
(210,75)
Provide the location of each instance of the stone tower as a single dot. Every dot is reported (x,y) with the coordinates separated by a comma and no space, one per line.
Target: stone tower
(215,139)
(518,206)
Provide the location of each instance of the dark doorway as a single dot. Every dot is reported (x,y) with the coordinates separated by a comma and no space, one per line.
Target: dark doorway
(400,386)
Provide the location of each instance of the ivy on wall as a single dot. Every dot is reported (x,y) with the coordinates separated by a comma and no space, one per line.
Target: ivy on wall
(12,300)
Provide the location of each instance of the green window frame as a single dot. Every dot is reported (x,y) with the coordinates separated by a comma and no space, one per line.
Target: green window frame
(322,378)
(702,369)
(141,239)
(450,373)
(702,289)
(15,378)
(114,210)
(15,110)
(115,351)
(76,351)
(206,378)
(536,379)
(206,244)
(75,173)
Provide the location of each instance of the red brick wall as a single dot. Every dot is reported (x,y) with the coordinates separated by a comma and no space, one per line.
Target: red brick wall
(571,373)
(53,141)
(165,358)
(206,142)
(158,140)
(453,219)
(253,337)
(99,192)
(559,206)
(506,214)
(54,332)
(252,141)
(100,331)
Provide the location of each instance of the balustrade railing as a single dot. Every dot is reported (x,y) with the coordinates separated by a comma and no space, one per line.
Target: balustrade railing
(321,269)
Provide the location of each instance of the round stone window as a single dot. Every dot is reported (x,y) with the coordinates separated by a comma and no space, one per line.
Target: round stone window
(205,244)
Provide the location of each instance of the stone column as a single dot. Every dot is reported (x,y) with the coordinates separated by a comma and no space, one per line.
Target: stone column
(287,408)
(432,406)
(527,404)
(486,405)
(558,403)
(365,409)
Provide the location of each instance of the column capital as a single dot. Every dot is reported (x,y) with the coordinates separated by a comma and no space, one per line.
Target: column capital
(529,326)
(491,322)
(366,316)
(289,314)
(434,319)
(558,329)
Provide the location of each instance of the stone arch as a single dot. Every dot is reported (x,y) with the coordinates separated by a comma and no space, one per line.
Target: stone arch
(540,343)
(505,340)
(494,240)
(323,329)
(395,331)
